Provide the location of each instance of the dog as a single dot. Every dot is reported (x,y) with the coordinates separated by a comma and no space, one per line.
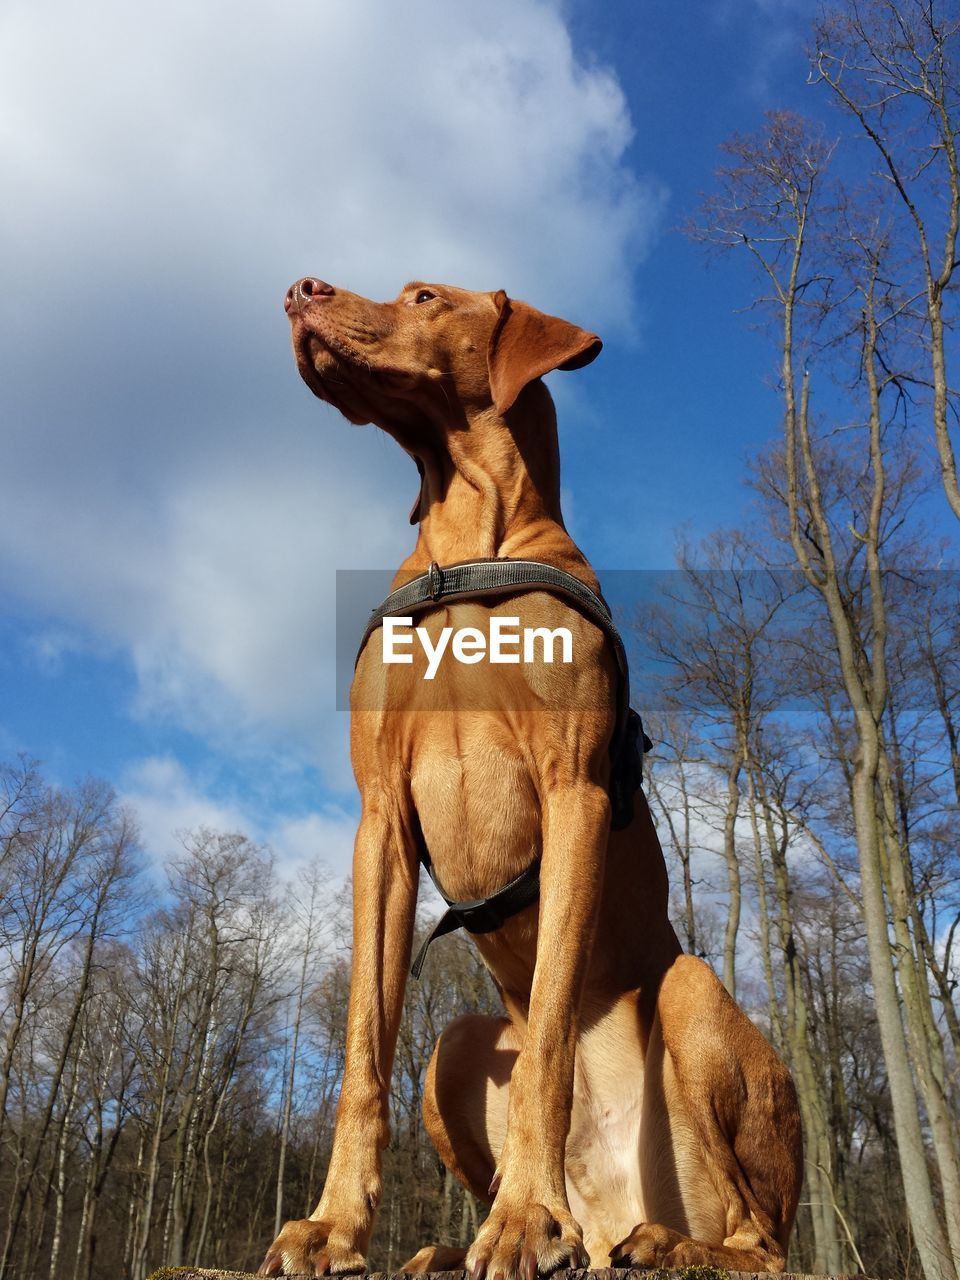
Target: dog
(624,1111)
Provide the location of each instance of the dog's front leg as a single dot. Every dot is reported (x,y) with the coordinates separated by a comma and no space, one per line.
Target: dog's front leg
(334,1239)
(530,1227)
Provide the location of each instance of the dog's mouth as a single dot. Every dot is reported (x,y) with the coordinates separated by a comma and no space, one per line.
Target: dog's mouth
(319,363)
(325,365)
(345,377)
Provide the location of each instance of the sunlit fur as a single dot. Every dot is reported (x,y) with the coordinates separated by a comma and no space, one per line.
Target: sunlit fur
(623,1108)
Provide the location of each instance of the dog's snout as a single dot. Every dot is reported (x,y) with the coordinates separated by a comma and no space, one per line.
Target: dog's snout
(306,289)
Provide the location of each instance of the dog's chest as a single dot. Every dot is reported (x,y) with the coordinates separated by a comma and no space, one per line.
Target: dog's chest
(603,1147)
(477,804)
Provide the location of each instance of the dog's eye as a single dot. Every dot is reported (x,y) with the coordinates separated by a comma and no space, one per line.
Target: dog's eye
(424,295)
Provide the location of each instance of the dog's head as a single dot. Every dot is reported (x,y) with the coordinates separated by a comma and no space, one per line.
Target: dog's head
(435,352)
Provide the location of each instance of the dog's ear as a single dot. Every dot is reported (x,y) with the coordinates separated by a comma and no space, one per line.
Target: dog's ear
(526,344)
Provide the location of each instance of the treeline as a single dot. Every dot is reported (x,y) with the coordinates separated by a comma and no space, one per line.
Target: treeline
(822,694)
(170,1072)
(751,784)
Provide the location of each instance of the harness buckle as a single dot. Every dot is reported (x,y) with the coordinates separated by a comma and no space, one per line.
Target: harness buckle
(435,580)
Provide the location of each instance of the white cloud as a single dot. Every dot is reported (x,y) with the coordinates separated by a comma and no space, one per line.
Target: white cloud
(168,484)
(168,801)
(326,836)
(776,31)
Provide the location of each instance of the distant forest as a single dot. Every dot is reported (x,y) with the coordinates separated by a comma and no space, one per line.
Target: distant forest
(170,1055)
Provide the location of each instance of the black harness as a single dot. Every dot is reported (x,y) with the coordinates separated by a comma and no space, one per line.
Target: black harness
(482,578)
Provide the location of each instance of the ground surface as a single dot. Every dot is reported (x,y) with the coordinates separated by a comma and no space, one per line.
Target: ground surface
(598,1273)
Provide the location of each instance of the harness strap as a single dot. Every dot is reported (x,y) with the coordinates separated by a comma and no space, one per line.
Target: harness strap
(474,578)
(477,578)
(482,915)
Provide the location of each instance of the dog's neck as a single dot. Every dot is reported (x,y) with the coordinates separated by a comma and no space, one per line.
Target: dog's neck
(492,488)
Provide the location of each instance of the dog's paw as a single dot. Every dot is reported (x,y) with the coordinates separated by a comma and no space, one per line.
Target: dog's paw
(650,1245)
(520,1241)
(435,1257)
(306,1247)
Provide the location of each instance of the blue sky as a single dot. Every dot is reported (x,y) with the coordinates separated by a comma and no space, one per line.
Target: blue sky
(173,502)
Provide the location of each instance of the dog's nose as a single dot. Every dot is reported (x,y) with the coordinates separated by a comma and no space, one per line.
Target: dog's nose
(305,289)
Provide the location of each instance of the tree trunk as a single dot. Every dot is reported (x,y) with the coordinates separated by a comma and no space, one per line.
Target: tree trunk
(733,876)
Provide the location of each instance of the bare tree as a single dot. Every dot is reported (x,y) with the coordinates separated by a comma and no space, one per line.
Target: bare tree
(73,854)
(894,67)
(314,882)
(711,633)
(841,522)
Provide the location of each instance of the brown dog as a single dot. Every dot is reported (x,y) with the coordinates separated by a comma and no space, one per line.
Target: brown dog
(624,1109)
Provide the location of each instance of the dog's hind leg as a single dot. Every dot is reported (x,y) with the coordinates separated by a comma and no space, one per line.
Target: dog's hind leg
(465,1113)
(721,1152)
